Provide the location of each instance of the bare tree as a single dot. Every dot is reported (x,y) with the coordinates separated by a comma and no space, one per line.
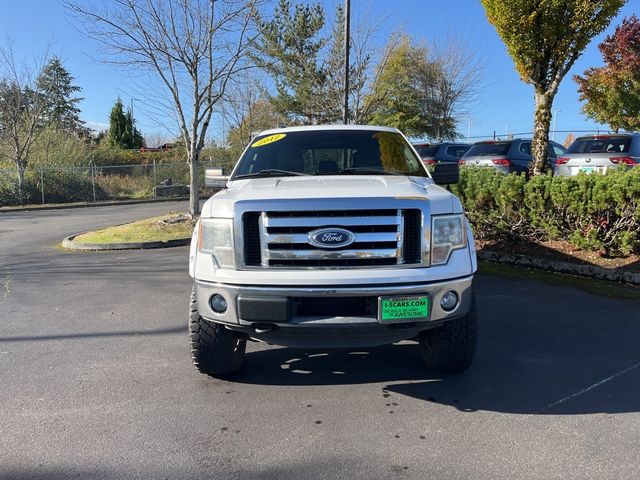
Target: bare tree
(22,110)
(247,111)
(193,46)
(365,74)
(458,83)
(157,139)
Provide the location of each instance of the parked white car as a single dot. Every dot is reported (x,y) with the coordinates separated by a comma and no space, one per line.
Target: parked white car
(332,236)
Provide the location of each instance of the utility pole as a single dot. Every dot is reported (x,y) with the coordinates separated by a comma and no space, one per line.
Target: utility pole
(347,15)
(132,136)
(555,114)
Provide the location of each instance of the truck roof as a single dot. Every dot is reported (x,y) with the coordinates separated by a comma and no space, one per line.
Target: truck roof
(307,128)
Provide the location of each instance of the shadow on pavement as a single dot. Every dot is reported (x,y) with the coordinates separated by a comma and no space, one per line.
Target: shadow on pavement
(521,384)
(111,265)
(527,363)
(72,336)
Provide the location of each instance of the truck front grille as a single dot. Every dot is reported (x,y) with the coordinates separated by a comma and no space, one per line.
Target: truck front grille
(250,225)
(280,239)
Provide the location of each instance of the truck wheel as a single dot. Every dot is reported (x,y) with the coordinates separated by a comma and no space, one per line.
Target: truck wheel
(215,350)
(451,347)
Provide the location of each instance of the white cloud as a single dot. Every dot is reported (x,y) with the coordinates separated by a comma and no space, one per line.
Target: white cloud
(96,126)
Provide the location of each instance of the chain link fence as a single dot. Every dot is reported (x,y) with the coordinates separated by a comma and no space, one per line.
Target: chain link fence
(93,183)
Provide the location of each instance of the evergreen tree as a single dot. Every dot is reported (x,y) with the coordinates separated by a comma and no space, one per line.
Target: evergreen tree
(122,131)
(118,126)
(307,63)
(135,137)
(290,51)
(55,83)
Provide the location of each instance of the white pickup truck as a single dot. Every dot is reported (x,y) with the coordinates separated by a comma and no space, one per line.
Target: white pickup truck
(332,237)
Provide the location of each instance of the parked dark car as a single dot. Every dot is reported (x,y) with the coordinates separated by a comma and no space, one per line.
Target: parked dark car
(432,153)
(507,156)
(599,153)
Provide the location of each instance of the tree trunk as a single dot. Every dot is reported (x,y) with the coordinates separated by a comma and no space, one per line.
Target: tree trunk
(194,191)
(21,169)
(540,143)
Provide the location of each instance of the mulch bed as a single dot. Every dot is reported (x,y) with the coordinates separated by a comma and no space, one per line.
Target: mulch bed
(563,252)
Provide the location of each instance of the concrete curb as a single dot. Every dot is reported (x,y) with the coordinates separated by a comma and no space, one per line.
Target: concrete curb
(64,206)
(71,245)
(560,267)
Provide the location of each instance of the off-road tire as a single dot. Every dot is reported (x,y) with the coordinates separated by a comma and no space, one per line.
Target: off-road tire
(215,349)
(451,347)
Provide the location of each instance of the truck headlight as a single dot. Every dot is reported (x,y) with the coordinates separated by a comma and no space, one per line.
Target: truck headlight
(448,233)
(216,237)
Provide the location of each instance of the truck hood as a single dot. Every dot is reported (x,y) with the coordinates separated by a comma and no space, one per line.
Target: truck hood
(331,187)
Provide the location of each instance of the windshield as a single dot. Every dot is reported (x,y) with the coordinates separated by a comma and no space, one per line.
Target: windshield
(492,148)
(458,151)
(601,145)
(426,150)
(329,152)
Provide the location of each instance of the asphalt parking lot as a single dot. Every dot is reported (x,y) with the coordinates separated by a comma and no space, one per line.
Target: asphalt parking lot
(97,382)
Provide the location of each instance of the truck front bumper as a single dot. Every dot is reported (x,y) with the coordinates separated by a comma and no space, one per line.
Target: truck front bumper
(326,316)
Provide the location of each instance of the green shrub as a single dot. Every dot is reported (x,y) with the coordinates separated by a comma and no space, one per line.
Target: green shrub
(493,202)
(8,188)
(72,185)
(593,212)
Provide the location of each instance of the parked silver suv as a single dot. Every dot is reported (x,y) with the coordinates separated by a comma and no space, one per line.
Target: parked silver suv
(599,153)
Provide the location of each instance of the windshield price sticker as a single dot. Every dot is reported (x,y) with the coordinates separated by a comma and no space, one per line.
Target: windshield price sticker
(268,140)
(407,309)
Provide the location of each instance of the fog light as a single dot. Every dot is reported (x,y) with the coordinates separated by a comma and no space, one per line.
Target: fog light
(449,301)
(218,303)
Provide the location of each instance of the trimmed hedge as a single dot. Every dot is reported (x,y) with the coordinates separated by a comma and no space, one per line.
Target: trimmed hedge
(593,212)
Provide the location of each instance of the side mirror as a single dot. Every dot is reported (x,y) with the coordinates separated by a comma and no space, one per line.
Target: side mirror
(214,178)
(446,173)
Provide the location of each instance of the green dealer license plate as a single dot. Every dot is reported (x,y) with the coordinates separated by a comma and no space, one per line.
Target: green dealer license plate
(403,309)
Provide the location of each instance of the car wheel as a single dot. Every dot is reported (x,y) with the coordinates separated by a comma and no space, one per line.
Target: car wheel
(215,349)
(451,348)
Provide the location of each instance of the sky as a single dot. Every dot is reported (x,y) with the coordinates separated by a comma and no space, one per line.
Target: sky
(504,103)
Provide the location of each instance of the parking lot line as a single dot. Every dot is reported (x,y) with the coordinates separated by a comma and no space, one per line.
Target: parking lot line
(587,389)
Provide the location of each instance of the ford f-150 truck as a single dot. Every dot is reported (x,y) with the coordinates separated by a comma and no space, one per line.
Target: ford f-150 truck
(332,237)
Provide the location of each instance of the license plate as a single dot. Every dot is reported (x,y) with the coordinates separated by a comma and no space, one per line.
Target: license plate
(587,169)
(403,309)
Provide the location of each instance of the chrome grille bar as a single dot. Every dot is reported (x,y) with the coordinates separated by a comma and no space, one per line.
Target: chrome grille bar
(330,221)
(274,238)
(317,254)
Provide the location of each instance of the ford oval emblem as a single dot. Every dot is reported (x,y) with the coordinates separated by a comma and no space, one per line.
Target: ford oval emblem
(331,238)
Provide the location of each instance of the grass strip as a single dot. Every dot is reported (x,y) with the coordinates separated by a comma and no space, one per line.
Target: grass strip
(148,230)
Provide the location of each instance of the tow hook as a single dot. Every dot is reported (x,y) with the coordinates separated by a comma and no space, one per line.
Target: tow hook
(263,327)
